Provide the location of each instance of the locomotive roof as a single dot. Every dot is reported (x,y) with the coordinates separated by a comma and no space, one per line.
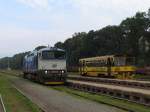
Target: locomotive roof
(44,49)
(51,49)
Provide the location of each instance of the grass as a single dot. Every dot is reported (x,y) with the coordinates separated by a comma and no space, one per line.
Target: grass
(12,72)
(14,101)
(122,104)
(142,77)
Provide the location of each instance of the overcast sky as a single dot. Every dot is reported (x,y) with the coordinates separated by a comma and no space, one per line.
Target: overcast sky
(25,24)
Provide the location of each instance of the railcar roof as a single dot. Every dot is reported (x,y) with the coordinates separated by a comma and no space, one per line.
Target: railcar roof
(97,58)
(101,57)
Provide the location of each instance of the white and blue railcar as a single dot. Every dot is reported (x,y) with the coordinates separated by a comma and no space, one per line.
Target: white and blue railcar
(47,66)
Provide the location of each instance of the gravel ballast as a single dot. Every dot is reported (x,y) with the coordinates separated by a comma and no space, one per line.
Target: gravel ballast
(55,101)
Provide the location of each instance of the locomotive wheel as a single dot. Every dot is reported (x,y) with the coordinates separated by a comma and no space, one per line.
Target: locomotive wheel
(37,78)
(84,74)
(30,76)
(101,75)
(120,75)
(131,75)
(124,75)
(41,80)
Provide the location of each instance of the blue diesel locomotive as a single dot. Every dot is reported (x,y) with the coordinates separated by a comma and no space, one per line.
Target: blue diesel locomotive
(47,66)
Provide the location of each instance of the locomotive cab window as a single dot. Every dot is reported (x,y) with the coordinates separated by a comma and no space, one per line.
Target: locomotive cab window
(53,55)
(47,55)
(59,54)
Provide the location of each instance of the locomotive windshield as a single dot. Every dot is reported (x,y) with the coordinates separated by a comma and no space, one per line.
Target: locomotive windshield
(47,55)
(53,55)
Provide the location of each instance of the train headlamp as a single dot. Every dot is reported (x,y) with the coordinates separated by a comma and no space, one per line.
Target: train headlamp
(46,72)
(62,71)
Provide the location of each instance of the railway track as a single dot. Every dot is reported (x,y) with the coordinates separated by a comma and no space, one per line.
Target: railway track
(131,90)
(137,95)
(2,107)
(118,82)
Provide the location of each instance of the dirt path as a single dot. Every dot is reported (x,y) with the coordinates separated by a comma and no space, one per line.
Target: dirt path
(54,101)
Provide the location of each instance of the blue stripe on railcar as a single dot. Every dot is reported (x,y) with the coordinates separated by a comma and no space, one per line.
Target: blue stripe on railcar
(30,64)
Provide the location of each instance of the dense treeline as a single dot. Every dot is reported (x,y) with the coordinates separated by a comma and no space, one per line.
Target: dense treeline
(14,62)
(131,37)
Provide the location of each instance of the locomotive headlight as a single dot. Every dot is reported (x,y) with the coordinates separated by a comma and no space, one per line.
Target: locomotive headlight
(62,71)
(46,72)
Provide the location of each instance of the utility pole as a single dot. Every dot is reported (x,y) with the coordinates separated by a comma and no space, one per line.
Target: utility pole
(8,65)
(149,13)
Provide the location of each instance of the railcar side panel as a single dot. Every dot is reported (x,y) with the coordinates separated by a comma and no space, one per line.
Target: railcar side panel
(107,66)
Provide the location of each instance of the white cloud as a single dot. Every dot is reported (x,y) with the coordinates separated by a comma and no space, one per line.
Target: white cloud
(108,12)
(92,10)
(17,40)
(91,5)
(35,3)
(112,7)
(112,4)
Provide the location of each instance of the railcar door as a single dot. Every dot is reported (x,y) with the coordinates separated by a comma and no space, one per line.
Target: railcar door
(109,67)
(83,68)
(80,67)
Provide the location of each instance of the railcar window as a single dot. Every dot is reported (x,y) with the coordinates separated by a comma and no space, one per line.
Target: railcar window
(96,63)
(120,61)
(130,61)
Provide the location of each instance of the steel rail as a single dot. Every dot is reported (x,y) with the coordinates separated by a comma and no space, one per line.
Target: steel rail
(22,93)
(2,103)
(131,94)
(118,82)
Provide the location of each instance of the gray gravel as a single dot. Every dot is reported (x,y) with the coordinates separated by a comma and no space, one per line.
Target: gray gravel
(55,101)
